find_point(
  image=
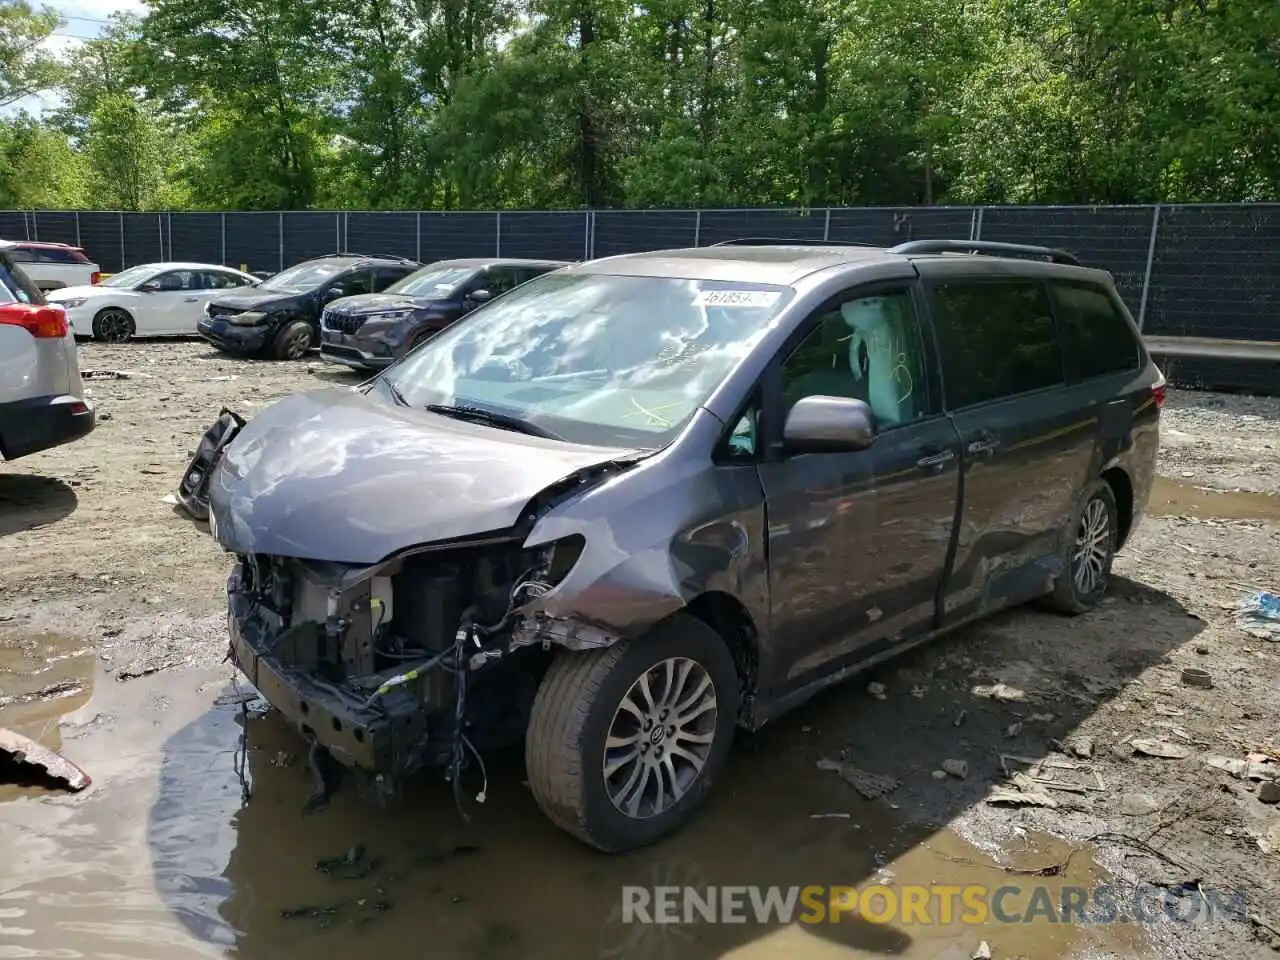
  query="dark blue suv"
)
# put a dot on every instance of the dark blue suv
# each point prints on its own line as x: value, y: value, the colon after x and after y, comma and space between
x: 373, y: 330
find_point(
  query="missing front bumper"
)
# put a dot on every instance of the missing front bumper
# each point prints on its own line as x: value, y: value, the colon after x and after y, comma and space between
x: 391, y: 738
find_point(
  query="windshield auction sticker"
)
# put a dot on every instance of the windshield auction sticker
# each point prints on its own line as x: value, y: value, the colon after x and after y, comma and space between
x: 737, y: 298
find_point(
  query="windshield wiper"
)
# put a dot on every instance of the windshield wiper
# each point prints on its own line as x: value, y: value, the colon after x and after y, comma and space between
x: 394, y: 391
x: 493, y: 418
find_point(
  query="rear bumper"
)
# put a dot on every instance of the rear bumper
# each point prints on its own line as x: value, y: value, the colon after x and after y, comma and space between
x: 38, y: 423
x: 234, y: 338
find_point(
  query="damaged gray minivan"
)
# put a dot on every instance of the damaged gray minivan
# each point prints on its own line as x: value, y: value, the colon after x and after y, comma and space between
x: 641, y: 501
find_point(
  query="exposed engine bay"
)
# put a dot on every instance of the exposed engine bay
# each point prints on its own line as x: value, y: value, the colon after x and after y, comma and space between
x: 426, y: 661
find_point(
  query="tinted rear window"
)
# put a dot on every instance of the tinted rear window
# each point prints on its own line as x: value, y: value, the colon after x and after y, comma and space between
x: 1096, y: 338
x: 997, y: 339
x: 49, y: 255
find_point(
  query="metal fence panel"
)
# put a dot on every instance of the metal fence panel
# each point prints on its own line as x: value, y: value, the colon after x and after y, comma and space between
x: 717, y: 226
x: 253, y: 241
x: 449, y: 235
x: 307, y: 235
x: 54, y: 226
x: 194, y: 237
x: 1112, y: 238
x: 142, y: 238
x: 100, y: 237
x: 13, y: 225
x: 1215, y: 269
x: 887, y: 226
x: 383, y: 233
x: 632, y: 231
x: 553, y: 235
x: 1216, y: 273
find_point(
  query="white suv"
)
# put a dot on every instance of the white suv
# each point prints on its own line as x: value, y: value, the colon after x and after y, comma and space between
x: 42, y: 400
x: 52, y: 266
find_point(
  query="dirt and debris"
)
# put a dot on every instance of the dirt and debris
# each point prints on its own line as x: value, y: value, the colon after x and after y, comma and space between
x: 870, y: 785
x: 94, y: 553
x: 23, y: 761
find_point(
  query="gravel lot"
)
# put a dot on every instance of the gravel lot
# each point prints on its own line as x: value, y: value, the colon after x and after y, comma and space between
x: 101, y: 579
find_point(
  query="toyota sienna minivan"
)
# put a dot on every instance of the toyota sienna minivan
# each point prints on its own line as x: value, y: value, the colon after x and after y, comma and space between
x: 644, y: 500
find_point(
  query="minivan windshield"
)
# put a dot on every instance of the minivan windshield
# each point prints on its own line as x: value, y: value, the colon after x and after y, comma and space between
x: 305, y: 276
x: 593, y: 358
x: 433, y: 283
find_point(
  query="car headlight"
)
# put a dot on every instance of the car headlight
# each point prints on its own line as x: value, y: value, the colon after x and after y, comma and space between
x: 392, y: 316
x: 72, y: 303
x: 248, y: 319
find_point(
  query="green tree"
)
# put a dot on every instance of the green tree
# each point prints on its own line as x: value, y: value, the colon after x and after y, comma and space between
x: 26, y: 67
x: 123, y: 148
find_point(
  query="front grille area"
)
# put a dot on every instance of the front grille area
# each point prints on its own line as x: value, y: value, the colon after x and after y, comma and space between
x: 339, y: 323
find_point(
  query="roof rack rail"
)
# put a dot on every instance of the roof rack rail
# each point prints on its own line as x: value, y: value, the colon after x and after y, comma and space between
x: 781, y: 242
x: 987, y: 247
x: 368, y: 256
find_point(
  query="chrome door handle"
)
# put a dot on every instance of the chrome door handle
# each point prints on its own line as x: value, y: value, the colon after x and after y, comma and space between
x: 936, y: 461
x: 190, y: 299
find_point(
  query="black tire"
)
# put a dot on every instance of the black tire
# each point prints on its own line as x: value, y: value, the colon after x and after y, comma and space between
x: 113, y: 325
x: 293, y: 342
x: 1072, y: 595
x: 575, y: 709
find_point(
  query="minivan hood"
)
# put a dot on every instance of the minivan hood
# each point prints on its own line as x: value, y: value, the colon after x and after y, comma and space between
x: 340, y: 476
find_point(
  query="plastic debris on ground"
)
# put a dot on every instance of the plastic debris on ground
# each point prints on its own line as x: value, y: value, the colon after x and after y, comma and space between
x: 1259, y: 616
x: 18, y: 752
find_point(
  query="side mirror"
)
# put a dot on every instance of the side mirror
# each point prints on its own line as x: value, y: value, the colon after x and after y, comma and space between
x: 334, y: 293
x: 479, y: 296
x: 151, y: 286
x: 828, y: 424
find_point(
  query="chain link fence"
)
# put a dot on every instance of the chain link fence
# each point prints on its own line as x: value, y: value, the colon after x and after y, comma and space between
x: 1208, y: 270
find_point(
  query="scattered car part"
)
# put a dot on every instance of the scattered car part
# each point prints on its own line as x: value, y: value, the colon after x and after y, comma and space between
x: 21, y: 751
x: 193, y: 489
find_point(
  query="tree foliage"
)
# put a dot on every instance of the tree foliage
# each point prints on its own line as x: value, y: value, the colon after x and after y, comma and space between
x: 449, y: 104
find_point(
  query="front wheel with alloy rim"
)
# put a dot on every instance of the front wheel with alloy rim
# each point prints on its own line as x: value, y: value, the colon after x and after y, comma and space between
x: 293, y: 342
x: 1090, y: 551
x: 112, y: 325
x: 624, y: 743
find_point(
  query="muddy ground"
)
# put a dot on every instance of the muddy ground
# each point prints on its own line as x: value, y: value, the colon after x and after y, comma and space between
x: 111, y: 641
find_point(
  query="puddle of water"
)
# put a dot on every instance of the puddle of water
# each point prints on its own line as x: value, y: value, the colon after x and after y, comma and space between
x: 43, y: 678
x: 1179, y: 498
x: 159, y: 858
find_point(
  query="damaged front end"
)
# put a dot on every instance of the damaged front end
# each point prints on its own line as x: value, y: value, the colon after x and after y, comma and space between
x: 414, y: 663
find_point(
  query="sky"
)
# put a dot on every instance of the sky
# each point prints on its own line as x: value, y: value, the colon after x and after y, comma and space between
x: 83, y: 20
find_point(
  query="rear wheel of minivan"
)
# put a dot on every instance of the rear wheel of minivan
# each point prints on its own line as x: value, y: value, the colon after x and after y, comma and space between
x: 1090, y: 552
x: 624, y: 743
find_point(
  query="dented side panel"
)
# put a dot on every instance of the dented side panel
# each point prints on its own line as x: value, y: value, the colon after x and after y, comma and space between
x: 666, y: 532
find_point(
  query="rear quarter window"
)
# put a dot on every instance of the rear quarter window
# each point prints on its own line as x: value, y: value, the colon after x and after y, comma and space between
x: 1096, y: 337
x: 997, y: 339
x: 16, y: 285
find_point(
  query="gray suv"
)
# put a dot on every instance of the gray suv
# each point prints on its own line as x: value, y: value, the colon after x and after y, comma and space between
x: 641, y: 501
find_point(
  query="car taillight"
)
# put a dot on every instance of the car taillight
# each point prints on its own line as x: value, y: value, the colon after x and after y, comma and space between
x: 1159, y: 389
x: 95, y: 278
x: 46, y: 322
